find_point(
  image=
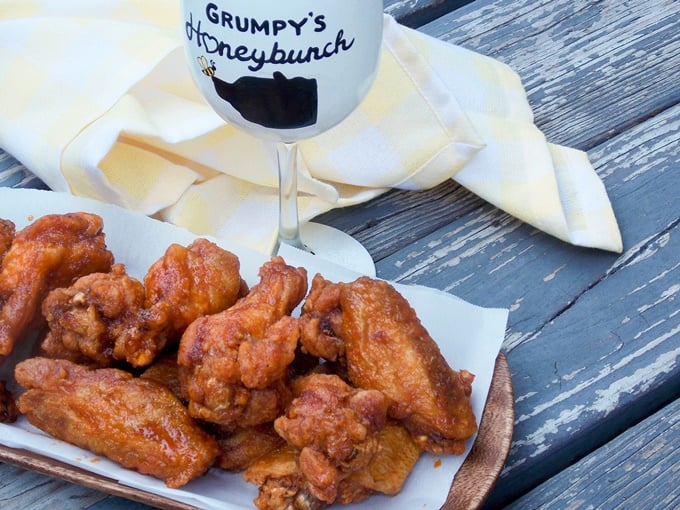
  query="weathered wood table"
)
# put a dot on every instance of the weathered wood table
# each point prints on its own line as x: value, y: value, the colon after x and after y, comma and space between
x: 593, y: 338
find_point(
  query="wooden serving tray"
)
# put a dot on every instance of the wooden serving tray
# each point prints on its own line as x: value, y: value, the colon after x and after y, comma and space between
x: 469, y: 489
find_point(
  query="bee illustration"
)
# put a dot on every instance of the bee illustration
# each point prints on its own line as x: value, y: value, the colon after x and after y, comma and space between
x: 207, y: 68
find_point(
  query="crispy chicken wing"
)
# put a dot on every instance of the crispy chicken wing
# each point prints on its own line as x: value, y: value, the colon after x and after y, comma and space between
x: 280, y: 482
x: 335, y: 428
x: 7, y: 233
x: 241, y: 448
x: 372, y: 328
x: 87, y: 319
x: 135, y: 422
x: 51, y: 252
x: 109, y: 317
x: 188, y: 282
x: 184, y: 284
x: 233, y: 364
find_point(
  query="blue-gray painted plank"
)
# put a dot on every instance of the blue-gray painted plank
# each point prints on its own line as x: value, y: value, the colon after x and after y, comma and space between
x: 15, y: 175
x: 415, y: 13
x: 638, y: 469
x: 592, y: 69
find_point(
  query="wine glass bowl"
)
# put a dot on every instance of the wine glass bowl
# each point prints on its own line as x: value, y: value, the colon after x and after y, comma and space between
x: 283, y: 70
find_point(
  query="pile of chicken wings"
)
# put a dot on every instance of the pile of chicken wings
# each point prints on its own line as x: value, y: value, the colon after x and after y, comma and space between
x: 190, y: 369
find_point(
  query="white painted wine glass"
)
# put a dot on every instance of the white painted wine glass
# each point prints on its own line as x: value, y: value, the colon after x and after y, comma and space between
x: 286, y: 70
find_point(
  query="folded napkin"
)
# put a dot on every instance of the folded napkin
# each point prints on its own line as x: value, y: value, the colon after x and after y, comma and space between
x: 97, y: 101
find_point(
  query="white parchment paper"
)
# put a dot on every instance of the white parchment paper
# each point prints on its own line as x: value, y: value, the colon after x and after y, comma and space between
x: 469, y: 337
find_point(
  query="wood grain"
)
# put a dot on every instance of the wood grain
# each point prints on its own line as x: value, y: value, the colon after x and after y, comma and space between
x: 639, y: 469
x: 592, y: 68
x: 414, y: 13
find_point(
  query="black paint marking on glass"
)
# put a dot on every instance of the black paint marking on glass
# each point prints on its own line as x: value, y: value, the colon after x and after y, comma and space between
x: 276, y: 103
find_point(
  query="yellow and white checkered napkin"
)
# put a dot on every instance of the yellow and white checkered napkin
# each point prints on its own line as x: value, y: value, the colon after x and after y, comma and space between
x: 97, y: 100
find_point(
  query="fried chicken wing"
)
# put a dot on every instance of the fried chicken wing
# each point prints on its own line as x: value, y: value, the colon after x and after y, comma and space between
x: 280, y: 482
x: 241, y: 448
x: 7, y: 233
x: 184, y: 284
x: 233, y: 364
x: 87, y: 319
x: 109, y: 317
x: 387, y: 470
x: 372, y: 328
x: 335, y: 428
x: 188, y: 282
x: 51, y: 252
x: 135, y: 422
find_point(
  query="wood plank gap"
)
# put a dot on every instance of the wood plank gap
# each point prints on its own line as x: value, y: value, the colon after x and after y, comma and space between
x: 414, y: 18
x: 621, y: 129
x: 628, y: 259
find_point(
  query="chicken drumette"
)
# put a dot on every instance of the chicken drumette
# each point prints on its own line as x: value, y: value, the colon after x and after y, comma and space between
x: 52, y: 252
x: 372, y: 330
x: 188, y: 282
x: 87, y: 319
x: 233, y: 365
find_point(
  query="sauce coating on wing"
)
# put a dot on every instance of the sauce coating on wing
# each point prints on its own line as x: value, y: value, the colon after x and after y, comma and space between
x: 372, y: 329
x: 233, y: 364
x: 136, y: 422
x: 51, y: 252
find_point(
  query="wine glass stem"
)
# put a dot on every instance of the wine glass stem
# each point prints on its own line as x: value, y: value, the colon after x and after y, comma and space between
x: 289, y: 226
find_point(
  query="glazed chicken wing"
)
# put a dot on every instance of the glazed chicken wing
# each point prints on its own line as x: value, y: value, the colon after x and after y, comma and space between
x: 109, y: 317
x: 280, y: 482
x: 188, y: 282
x: 184, y: 284
x: 233, y: 364
x: 335, y: 428
x: 87, y: 319
x: 135, y: 422
x: 51, y: 252
x: 373, y: 329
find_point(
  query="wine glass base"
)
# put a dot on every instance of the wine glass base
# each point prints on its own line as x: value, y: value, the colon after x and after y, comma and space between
x: 335, y: 246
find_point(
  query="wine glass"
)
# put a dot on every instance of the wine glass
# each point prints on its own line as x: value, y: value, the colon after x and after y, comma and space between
x: 286, y: 70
